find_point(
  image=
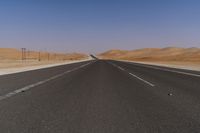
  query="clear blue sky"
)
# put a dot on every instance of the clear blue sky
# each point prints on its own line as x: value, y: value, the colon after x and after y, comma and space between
x: 96, y: 25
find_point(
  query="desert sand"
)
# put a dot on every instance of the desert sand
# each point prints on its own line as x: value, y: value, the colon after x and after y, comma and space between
x: 16, y: 54
x: 187, y: 58
x: 12, y: 58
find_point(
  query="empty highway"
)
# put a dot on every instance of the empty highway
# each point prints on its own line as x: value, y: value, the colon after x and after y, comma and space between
x: 101, y: 96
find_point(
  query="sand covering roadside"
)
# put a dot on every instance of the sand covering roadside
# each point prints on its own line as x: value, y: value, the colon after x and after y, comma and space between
x: 29, y: 66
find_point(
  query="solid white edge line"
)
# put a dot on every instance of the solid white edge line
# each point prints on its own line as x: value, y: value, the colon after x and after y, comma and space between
x: 32, y: 68
x: 185, y: 73
x: 164, y: 69
x: 10, y: 94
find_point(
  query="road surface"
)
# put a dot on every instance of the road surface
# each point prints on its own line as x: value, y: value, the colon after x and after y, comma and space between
x: 101, y: 96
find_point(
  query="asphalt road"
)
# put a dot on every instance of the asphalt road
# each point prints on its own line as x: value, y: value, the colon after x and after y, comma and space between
x: 101, y: 97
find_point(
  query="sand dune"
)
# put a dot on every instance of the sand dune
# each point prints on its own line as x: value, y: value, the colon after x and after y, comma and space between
x: 155, y: 54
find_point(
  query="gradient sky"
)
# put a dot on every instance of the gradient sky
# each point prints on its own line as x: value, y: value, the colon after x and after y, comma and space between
x: 97, y: 25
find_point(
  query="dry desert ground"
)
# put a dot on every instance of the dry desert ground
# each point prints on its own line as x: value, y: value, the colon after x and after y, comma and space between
x: 10, y: 57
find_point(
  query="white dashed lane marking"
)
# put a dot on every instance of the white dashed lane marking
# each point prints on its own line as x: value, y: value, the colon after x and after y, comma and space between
x: 142, y: 79
x: 135, y: 76
x: 10, y: 94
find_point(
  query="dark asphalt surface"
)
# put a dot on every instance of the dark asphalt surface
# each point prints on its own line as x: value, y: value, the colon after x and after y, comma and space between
x: 101, y: 98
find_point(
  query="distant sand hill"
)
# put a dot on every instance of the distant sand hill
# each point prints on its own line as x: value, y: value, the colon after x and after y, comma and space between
x: 15, y: 54
x: 155, y: 54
